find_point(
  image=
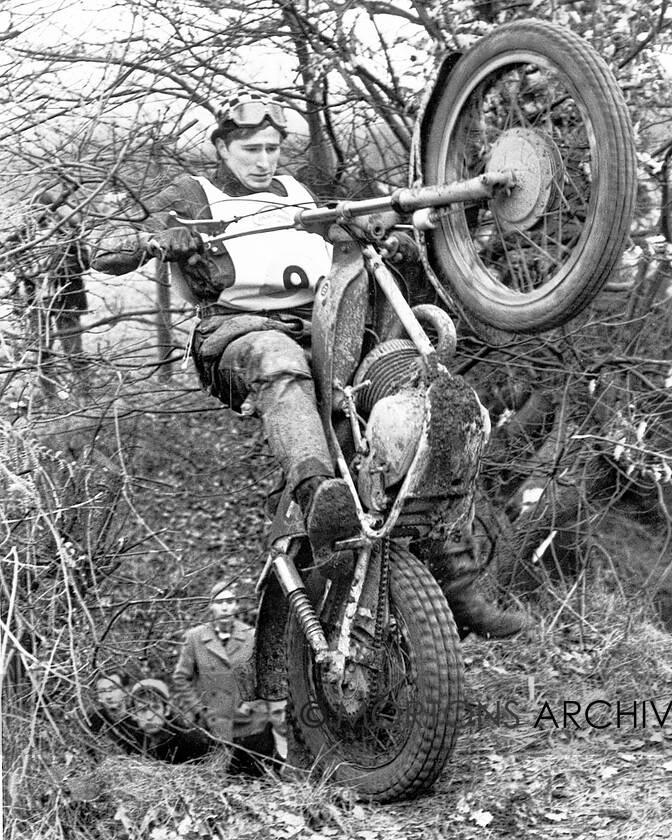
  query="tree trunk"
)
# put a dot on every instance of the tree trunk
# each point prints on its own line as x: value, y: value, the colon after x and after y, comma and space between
x: 163, y: 326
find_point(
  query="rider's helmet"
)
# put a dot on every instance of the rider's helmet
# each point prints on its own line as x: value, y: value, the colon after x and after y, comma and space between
x: 249, y: 109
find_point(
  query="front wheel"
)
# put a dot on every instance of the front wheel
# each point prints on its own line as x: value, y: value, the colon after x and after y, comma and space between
x: 391, y: 730
x: 533, y: 99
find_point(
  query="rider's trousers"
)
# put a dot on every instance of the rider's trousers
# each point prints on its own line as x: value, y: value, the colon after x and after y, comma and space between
x: 266, y: 373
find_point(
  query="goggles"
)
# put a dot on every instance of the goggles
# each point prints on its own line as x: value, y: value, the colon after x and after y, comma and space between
x: 253, y: 112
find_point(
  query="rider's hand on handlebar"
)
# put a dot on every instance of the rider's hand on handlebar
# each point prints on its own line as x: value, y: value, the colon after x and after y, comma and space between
x: 175, y: 243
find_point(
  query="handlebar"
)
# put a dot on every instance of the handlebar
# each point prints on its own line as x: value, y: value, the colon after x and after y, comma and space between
x: 402, y: 200
x: 407, y: 200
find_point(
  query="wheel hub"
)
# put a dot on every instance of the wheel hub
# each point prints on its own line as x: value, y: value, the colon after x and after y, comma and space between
x: 533, y: 158
x: 349, y: 699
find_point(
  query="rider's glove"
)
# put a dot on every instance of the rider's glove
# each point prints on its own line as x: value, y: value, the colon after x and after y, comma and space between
x: 196, y: 271
x: 173, y: 244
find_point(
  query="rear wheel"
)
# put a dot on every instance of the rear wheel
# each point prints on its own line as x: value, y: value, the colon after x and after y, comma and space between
x: 391, y: 729
x: 535, y: 99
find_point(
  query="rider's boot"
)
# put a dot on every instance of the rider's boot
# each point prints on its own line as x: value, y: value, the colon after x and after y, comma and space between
x: 475, y: 611
x: 469, y: 589
x: 328, y: 509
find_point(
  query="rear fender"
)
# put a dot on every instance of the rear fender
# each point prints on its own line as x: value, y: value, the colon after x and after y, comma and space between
x: 270, y: 642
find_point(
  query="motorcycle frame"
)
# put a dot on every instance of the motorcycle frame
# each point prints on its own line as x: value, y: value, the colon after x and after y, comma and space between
x: 427, y: 352
x: 280, y: 560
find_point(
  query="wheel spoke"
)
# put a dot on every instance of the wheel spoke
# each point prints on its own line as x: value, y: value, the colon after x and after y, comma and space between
x: 529, y: 98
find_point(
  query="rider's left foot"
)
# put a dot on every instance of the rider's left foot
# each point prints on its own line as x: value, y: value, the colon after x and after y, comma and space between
x: 474, y: 612
x: 328, y: 509
x: 470, y: 588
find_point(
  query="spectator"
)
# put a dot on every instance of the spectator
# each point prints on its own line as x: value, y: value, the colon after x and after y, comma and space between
x: 47, y: 261
x: 213, y: 683
x: 110, y: 714
x: 277, y: 715
x: 67, y: 263
x: 163, y: 733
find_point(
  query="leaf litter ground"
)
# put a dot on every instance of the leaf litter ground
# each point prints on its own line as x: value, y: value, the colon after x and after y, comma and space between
x: 527, y: 765
x: 522, y: 769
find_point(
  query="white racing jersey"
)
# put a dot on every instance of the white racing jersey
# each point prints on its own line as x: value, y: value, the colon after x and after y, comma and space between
x: 274, y: 269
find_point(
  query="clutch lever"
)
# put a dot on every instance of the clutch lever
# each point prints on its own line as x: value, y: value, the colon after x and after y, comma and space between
x: 211, y: 242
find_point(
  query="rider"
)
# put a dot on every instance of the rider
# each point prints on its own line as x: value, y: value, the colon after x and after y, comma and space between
x: 254, y: 295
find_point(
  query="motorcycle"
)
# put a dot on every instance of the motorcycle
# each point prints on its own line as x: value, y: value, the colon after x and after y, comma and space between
x: 523, y: 187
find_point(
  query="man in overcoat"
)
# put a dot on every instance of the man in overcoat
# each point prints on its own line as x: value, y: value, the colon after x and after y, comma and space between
x: 213, y: 677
